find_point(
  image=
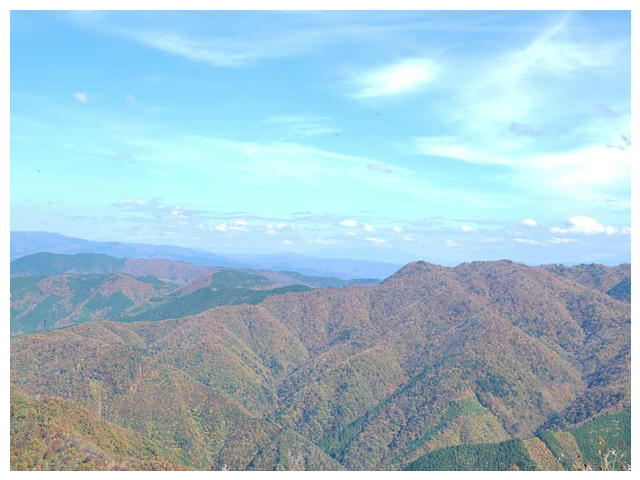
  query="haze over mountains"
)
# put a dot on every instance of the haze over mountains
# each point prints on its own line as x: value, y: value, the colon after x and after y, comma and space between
x: 485, y: 365
x: 26, y: 243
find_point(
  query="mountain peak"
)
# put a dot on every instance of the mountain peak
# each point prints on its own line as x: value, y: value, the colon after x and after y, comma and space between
x: 418, y: 266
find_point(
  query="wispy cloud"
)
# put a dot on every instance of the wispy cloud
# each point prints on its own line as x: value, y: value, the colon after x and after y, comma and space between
x: 545, y: 242
x: 288, y: 35
x: 498, y: 115
x: 82, y: 97
x: 274, y: 35
x: 304, y: 125
x: 401, y: 77
x: 574, y: 172
x: 324, y: 241
x: 378, y: 167
x: 530, y: 241
x: 131, y: 100
x: 376, y: 240
x: 269, y: 163
x: 518, y: 128
x: 557, y: 240
x: 156, y: 209
x: 219, y: 52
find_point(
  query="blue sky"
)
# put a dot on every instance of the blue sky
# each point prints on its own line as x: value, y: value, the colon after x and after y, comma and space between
x: 449, y: 136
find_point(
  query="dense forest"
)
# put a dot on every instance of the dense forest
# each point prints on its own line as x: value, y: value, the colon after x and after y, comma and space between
x: 488, y: 365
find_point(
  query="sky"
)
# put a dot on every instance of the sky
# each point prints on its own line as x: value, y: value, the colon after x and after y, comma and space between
x: 394, y: 136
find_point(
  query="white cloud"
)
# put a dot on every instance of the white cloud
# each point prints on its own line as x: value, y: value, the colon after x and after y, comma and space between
x: 177, y: 210
x: 529, y: 241
x: 563, y: 240
x: 234, y: 226
x: 544, y: 243
x: 275, y: 229
x: 585, y: 225
x: 588, y: 167
x: 376, y: 240
x: 401, y: 77
x: 287, y: 242
x: 368, y: 228
x: 492, y: 239
x: 451, y: 243
x: 467, y: 228
x: 349, y: 223
x: 324, y: 241
x: 408, y: 238
x: 529, y: 222
x: 135, y: 202
x: 397, y: 229
x: 82, y: 97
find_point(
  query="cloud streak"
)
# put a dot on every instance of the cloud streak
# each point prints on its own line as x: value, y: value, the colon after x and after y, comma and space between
x: 82, y: 97
x: 303, y: 125
x: 398, y: 78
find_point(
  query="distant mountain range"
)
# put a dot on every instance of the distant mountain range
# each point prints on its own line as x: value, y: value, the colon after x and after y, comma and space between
x: 488, y: 365
x: 26, y: 243
x: 50, y: 290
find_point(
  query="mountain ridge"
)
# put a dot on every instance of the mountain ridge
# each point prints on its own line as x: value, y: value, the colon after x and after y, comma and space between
x: 375, y: 376
x: 24, y: 243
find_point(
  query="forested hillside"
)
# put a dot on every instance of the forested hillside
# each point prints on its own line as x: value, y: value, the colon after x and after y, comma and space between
x: 53, y: 290
x: 456, y: 368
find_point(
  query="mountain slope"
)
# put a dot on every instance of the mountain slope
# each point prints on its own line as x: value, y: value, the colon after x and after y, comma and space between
x: 578, y: 449
x: 377, y: 377
x: 46, y: 263
x: 124, y: 380
x: 40, y: 302
x: 43, y: 303
x: 601, y: 277
x: 53, y: 434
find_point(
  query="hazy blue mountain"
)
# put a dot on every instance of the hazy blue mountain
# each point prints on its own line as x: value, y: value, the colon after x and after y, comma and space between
x: 294, y: 278
x: 343, y: 268
x: 26, y: 243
